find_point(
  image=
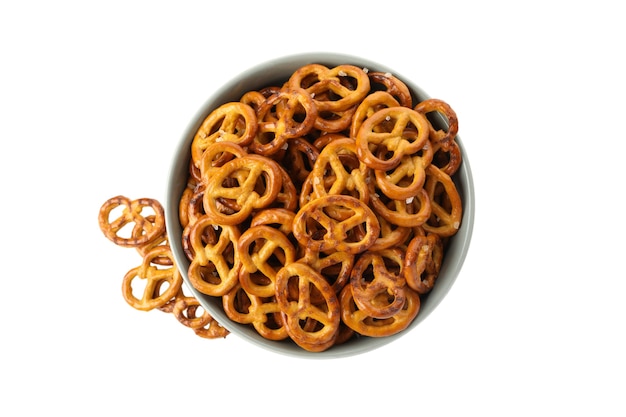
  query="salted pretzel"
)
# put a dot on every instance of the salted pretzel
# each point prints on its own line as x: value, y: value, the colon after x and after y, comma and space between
x: 410, y: 212
x: 300, y: 159
x: 445, y: 202
x: 391, y: 235
x: 423, y: 262
x: 366, y: 325
x: 333, y: 89
x: 161, y: 283
x: 317, y: 230
x: 263, y: 249
x: 290, y: 104
x: 408, y: 134
x: 335, y: 267
x: 440, y: 107
x: 296, y: 310
x: 370, y: 105
x: 245, y: 308
x: 215, y: 267
x: 384, y: 81
x: 378, y: 286
x: 246, y: 174
x: 231, y: 122
x: 143, y: 228
x: 216, y: 155
x: 186, y: 310
x: 407, y: 178
x: 337, y: 170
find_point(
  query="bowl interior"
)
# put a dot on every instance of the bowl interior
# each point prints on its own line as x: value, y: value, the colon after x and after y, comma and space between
x: 275, y: 72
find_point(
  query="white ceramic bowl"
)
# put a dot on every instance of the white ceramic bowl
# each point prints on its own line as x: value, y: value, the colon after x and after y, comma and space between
x: 275, y: 72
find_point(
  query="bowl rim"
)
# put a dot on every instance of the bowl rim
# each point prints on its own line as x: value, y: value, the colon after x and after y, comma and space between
x: 233, y: 89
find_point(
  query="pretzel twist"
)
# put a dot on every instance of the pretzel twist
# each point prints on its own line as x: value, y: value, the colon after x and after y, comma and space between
x: 214, y: 269
x: 408, y: 133
x: 256, y: 182
x: 366, y: 325
x: 231, y: 122
x: 318, y: 230
x: 245, y: 308
x: 143, y: 228
x: 154, y: 278
x: 323, y: 319
x: 381, y: 295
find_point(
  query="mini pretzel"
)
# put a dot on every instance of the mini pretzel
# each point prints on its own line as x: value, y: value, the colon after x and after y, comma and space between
x: 216, y: 155
x: 144, y: 229
x: 397, y: 141
x: 391, y: 235
x: 408, y: 177
x: 444, y: 138
x: 373, y: 276
x: 329, y: 87
x: 245, y: 308
x: 345, y: 179
x: 411, y: 212
x: 273, y: 133
x: 155, y: 276
x: 214, y: 269
x: 423, y: 262
x: 447, y: 207
x: 318, y: 230
x: 265, y: 249
x: 186, y: 312
x: 365, y: 325
x: 387, y: 82
x: 299, y: 309
x: 233, y: 122
x: 256, y: 181
x: 370, y: 105
x: 334, y: 267
x: 447, y: 159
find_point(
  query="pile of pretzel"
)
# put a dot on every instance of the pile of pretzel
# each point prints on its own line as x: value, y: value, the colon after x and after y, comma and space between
x: 155, y: 284
x: 320, y: 209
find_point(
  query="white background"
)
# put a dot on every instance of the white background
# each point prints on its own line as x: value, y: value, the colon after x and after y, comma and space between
x: 93, y: 100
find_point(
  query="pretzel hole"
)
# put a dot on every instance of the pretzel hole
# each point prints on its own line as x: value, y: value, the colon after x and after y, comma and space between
x: 209, y: 274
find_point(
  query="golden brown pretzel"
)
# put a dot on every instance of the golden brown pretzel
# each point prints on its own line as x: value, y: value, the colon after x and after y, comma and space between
x: 298, y: 309
x: 442, y: 137
x: 411, y: 212
x: 375, y: 274
x: 334, y: 267
x: 263, y: 249
x: 333, y: 89
x: 143, y: 228
x: 423, y: 262
x: 337, y: 171
x: 233, y: 122
x: 408, y: 177
x: 255, y: 180
x: 391, y: 84
x: 288, y: 122
x: 186, y: 310
x: 154, y: 294
x: 445, y: 202
x: 216, y: 155
x: 365, y: 325
x: 408, y: 133
x: 370, y: 105
x: 214, y: 269
x: 299, y: 159
x: 318, y: 230
x: 245, y: 308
